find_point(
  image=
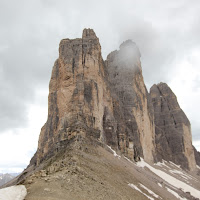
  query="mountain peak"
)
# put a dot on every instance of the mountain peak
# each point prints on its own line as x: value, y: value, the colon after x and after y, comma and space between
x: 130, y: 49
x: 127, y: 43
x: 88, y: 33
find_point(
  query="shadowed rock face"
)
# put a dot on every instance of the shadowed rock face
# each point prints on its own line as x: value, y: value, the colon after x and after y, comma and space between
x: 108, y: 102
x: 125, y: 76
x: 173, y: 132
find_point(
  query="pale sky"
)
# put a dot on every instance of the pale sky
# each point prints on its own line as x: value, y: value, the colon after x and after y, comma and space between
x: 166, y: 32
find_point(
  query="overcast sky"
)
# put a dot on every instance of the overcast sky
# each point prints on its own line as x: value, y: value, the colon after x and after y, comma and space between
x: 166, y: 32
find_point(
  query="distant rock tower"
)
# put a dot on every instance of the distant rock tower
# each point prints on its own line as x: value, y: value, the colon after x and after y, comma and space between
x: 173, y: 131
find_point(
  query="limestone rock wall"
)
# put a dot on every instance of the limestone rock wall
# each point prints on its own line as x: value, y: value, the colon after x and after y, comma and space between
x: 173, y: 131
x: 125, y: 76
x: 77, y: 94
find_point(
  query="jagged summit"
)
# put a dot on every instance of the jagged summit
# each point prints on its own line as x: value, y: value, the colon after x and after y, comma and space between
x: 127, y: 58
x: 127, y: 43
x: 89, y: 33
x: 130, y: 46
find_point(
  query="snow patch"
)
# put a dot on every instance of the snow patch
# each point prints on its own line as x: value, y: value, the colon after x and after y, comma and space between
x: 159, y: 184
x: 171, y: 180
x: 136, y: 188
x: 150, y: 192
x: 114, y: 152
x: 175, y: 194
x: 129, y: 160
x: 161, y: 164
x: 178, y: 172
x: 197, y: 166
x: 17, y: 192
x: 178, y: 166
x: 183, y: 175
x: 142, y: 163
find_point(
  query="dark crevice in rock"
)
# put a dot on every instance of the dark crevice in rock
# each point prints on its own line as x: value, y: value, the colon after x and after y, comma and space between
x: 73, y: 65
x: 88, y: 92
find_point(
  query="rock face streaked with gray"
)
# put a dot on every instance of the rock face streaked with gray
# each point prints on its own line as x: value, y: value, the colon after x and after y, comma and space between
x: 172, y: 128
x: 107, y: 101
x: 135, y: 116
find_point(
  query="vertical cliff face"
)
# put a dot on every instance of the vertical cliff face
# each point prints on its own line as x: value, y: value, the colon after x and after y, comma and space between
x: 125, y: 76
x: 77, y: 94
x: 173, y: 131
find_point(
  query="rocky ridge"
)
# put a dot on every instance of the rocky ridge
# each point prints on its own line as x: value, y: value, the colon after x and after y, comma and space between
x: 95, y: 106
x: 87, y: 169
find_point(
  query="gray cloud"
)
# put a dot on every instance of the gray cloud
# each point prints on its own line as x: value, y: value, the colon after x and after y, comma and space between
x: 195, y: 134
x: 196, y: 84
x: 24, y: 68
x: 164, y: 33
x: 31, y: 30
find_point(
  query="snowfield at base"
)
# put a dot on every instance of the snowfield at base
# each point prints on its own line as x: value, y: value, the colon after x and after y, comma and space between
x: 114, y: 152
x: 161, y: 164
x: 178, y: 166
x: 129, y: 160
x: 136, y: 188
x: 175, y: 194
x: 150, y: 191
x: 171, y: 180
x: 183, y: 175
x: 17, y: 192
x: 159, y: 185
